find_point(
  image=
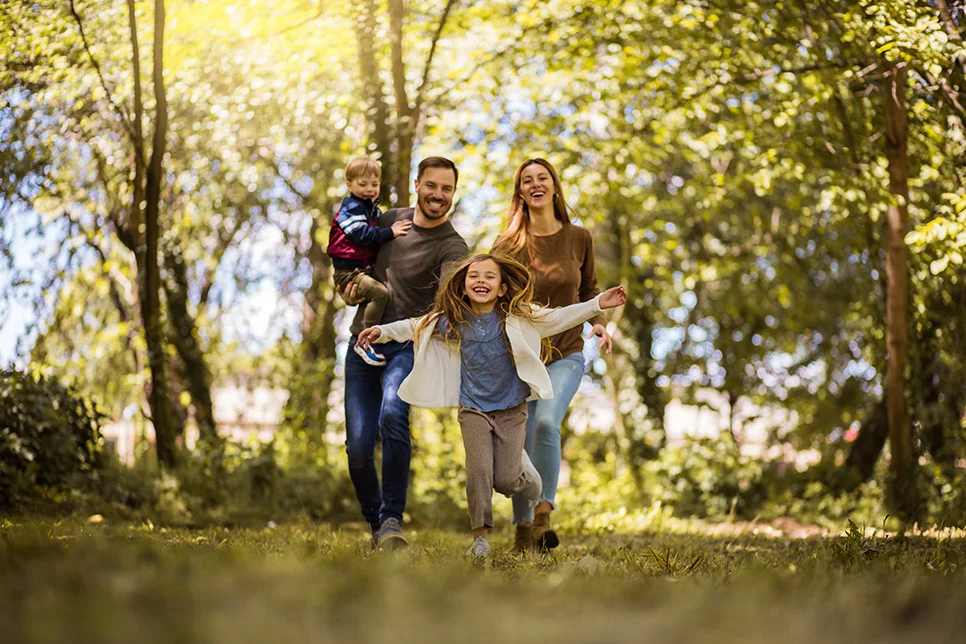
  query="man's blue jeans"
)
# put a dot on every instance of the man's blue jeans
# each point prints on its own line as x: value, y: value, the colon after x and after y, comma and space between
x: 543, y: 431
x: 373, y: 410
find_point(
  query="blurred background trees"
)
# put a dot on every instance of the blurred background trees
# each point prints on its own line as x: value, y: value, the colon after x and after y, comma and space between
x: 780, y: 185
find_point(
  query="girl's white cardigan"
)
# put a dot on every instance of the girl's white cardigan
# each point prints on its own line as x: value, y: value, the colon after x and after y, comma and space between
x: 435, y: 378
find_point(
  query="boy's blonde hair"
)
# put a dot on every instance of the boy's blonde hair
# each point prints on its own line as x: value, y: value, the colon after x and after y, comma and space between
x: 362, y: 167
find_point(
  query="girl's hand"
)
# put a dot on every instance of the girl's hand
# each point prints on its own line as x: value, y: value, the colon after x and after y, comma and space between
x: 613, y: 297
x: 367, y: 336
x: 606, y: 343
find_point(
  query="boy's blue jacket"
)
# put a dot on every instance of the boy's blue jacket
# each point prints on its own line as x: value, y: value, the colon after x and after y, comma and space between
x: 355, y: 234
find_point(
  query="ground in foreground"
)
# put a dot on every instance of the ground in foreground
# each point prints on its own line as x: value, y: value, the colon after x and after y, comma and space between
x: 76, y: 581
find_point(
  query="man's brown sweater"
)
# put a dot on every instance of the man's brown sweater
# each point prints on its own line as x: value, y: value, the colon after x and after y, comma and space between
x: 411, y: 266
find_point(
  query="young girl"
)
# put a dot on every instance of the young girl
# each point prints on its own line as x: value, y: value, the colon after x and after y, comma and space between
x: 485, y: 307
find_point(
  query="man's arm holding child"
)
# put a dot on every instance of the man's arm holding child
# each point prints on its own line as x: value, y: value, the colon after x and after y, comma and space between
x: 453, y: 251
x: 388, y: 219
x: 401, y: 330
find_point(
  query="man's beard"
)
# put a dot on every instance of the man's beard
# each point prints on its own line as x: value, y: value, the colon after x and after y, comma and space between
x: 423, y: 208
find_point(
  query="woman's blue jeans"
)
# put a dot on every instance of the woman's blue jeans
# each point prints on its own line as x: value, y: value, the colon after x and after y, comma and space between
x: 543, y: 431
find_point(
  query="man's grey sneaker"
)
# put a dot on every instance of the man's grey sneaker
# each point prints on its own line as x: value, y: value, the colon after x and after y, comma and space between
x: 390, y: 536
x: 534, y: 484
x: 374, y: 537
x: 369, y: 356
x: 480, y: 548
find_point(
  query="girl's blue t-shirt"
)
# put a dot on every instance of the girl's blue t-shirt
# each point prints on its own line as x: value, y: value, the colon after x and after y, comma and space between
x: 488, y: 377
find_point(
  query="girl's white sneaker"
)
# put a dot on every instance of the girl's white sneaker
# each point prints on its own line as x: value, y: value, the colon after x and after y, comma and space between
x: 480, y: 548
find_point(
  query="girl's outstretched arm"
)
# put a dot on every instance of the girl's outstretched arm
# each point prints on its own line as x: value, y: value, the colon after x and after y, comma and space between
x: 613, y: 297
x: 553, y: 321
x: 401, y: 331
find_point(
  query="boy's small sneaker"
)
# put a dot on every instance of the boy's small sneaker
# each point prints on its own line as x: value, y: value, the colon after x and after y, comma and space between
x: 369, y: 356
x: 390, y: 536
x: 480, y: 548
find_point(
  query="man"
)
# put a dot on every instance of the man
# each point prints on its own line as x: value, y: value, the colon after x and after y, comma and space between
x: 411, y: 267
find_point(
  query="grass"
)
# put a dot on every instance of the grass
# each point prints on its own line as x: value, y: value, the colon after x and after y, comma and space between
x: 70, y: 580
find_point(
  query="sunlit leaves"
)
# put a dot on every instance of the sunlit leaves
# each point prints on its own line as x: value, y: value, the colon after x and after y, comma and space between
x: 728, y: 157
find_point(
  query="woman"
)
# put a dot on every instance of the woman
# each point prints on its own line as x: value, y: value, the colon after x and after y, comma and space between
x: 561, y: 258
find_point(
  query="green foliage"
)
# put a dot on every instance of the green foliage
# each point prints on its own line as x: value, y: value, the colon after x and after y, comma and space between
x: 814, y: 501
x: 602, y: 490
x: 727, y: 156
x: 258, y: 483
x: 240, y: 485
x: 855, y: 548
x: 437, y: 493
x: 705, y: 478
x: 49, y: 440
x: 943, y: 491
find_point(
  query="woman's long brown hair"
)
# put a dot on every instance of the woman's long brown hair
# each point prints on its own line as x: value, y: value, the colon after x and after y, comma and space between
x: 516, y: 237
x: 453, y: 304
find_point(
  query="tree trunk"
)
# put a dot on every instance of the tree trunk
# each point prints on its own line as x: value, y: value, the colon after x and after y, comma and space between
x: 409, y: 114
x: 377, y: 110
x: 732, y: 428
x: 868, y: 445
x: 159, y: 397
x: 133, y: 232
x: 405, y: 115
x: 176, y: 379
x: 641, y: 325
x: 196, y: 372
x: 308, y: 404
x: 897, y: 272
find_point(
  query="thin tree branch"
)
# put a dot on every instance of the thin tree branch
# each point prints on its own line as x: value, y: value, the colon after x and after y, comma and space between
x: 497, y: 55
x: 302, y: 23
x: 225, y: 239
x: 284, y: 30
x: 951, y: 94
x: 138, y: 135
x: 761, y: 74
x: 403, y: 109
x: 306, y: 199
x: 423, y: 83
x: 837, y: 98
x: 97, y: 68
x: 850, y: 140
x: 123, y: 232
x: 948, y: 21
x: 123, y: 308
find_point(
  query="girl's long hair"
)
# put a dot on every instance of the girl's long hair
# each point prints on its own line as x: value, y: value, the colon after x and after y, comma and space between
x: 516, y: 237
x: 453, y: 304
